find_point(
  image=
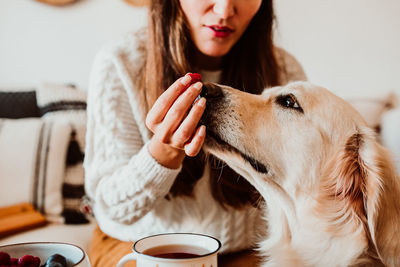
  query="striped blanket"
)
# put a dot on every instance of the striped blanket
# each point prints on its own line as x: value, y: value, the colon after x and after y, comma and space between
x: 41, y: 159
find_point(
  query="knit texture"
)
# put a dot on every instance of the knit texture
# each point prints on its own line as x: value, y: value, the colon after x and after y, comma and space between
x: 127, y: 185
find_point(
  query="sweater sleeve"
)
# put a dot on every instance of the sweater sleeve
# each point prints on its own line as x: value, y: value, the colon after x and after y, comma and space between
x: 122, y: 178
x: 291, y: 70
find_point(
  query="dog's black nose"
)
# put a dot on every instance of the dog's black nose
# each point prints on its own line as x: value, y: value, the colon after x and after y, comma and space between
x: 211, y: 90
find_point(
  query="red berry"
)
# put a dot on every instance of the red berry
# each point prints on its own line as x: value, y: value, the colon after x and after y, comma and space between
x: 4, y: 258
x: 26, y: 261
x: 36, y: 261
x: 14, y: 261
x: 196, y: 77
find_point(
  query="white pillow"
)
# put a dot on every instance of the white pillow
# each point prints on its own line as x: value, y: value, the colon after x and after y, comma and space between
x: 372, y: 108
x: 32, y: 163
x: 63, y: 102
x: 390, y: 134
x: 60, y: 102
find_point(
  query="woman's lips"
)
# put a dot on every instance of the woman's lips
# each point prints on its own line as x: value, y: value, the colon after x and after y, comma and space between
x: 220, y: 31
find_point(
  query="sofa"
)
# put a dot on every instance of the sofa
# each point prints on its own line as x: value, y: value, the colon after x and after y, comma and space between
x: 42, y: 140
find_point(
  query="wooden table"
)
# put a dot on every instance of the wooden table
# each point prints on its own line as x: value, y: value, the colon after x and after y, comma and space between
x: 106, y: 251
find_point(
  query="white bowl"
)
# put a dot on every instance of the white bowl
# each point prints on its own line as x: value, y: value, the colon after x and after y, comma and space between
x: 75, y: 255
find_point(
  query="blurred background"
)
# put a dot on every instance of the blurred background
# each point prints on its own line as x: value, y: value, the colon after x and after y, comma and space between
x: 350, y: 47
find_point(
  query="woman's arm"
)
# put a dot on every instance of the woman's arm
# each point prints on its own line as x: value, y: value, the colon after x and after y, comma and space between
x: 122, y: 178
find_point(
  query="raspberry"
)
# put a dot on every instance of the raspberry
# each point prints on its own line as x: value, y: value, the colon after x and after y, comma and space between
x: 28, y: 261
x: 195, y: 77
x: 14, y: 261
x: 4, y: 258
x: 36, y: 261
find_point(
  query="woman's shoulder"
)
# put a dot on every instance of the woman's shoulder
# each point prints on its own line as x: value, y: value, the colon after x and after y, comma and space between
x: 290, y: 67
x: 128, y: 47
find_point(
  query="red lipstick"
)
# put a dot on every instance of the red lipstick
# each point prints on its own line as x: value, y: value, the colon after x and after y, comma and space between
x: 220, y: 31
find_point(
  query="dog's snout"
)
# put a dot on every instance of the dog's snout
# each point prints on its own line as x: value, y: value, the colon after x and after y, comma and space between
x: 215, y: 99
x: 211, y: 90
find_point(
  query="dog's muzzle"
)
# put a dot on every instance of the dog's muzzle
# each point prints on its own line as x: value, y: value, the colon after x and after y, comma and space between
x: 217, y: 113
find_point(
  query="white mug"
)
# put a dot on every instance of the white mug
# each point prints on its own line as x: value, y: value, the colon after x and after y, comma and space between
x: 164, y: 250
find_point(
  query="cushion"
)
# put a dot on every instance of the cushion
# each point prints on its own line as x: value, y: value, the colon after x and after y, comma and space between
x: 18, y: 104
x: 32, y: 163
x: 66, y: 103
x: 60, y: 102
x: 372, y: 108
x: 390, y: 134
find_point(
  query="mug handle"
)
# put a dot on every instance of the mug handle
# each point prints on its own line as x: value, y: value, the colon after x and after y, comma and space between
x: 128, y: 257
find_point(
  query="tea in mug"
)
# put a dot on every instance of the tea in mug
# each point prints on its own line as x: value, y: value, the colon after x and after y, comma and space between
x: 176, y: 251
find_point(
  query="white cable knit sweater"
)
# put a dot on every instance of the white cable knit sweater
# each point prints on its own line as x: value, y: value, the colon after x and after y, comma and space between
x: 127, y: 185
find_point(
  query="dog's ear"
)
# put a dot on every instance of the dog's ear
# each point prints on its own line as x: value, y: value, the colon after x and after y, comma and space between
x: 363, y: 178
x: 382, y: 203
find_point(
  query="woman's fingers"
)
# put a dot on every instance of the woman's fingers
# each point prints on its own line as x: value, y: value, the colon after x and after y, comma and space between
x: 188, y: 126
x: 173, y: 118
x: 179, y: 109
x: 165, y: 101
x: 193, y: 147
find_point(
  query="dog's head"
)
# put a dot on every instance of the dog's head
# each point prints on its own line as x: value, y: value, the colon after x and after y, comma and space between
x: 302, y: 139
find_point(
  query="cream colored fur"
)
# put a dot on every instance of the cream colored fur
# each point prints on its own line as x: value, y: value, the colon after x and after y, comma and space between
x: 331, y: 191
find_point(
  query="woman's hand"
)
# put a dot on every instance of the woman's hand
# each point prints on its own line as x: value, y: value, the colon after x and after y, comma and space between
x: 174, y: 120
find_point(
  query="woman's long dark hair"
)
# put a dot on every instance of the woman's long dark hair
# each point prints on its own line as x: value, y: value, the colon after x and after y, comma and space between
x: 250, y: 66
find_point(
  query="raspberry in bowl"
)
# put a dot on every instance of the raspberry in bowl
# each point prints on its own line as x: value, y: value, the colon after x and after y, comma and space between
x: 28, y: 254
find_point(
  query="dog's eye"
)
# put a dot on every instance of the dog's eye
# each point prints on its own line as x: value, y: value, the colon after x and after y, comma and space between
x: 289, y: 101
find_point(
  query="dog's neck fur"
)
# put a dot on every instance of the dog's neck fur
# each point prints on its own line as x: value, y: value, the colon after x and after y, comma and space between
x: 293, y: 218
x: 291, y: 215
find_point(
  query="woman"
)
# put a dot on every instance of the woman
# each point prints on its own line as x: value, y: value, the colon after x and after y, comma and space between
x: 145, y: 171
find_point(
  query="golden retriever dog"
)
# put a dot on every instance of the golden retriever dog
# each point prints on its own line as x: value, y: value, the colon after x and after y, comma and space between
x: 331, y: 191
